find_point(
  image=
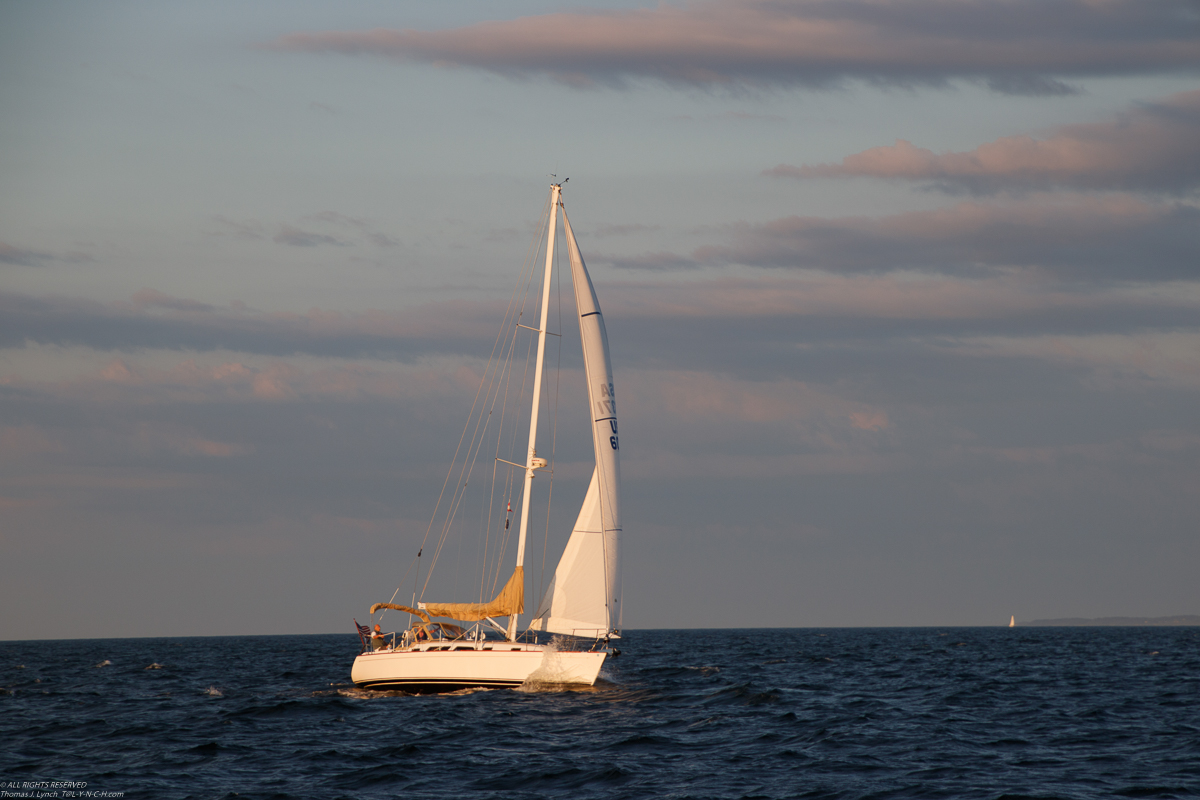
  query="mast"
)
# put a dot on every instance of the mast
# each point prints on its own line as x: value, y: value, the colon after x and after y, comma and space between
x: 532, y: 461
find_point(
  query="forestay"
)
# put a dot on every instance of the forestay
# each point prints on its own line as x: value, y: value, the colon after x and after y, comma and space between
x: 584, y: 597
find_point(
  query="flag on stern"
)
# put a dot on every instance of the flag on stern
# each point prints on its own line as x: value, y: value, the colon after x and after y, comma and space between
x: 364, y: 632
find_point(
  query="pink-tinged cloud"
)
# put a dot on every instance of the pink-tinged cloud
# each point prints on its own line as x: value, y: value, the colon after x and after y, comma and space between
x: 274, y: 382
x: 204, y: 447
x: 157, y: 437
x: 770, y: 466
x: 18, y: 441
x: 1014, y: 46
x: 703, y: 396
x: 122, y: 382
x: 869, y: 420
x: 117, y: 371
x: 694, y: 397
x: 188, y: 381
x: 795, y: 426
x: 1155, y: 147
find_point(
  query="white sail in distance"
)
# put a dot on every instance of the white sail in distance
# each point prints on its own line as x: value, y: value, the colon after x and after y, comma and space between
x: 584, y: 597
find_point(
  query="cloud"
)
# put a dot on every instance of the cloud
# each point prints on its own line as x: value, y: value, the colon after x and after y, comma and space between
x: 655, y: 262
x: 157, y: 320
x: 857, y: 305
x: 1029, y: 85
x: 148, y: 298
x: 751, y: 323
x: 127, y: 381
x: 869, y: 420
x: 891, y: 328
x: 344, y: 225
x: 10, y: 254
x: 149, y: 437
x: 382, y: 240
x: 1012, y: 46
x: 1169, y: 358
x: 623, y: 230
x: 1154, y: 147
x: 745, y: 115
x: 695, y: 397
x: 196, y: 461
x: 336, y: 218
x: 1116, y: 237
x: 738, y: 116
x: 299, y: 238
x: 22, y: 441
x: 249, y: 230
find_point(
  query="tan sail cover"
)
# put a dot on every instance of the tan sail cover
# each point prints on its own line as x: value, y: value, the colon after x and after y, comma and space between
x: 511, y: 600
x: 424, y: 617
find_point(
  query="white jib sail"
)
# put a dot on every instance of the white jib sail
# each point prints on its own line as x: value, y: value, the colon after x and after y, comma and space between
x: 584, y: 597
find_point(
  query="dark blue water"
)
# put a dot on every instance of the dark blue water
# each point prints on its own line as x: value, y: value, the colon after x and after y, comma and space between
x: 834, y: 713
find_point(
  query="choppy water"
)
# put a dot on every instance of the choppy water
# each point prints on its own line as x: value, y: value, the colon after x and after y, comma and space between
x: 834, y: 713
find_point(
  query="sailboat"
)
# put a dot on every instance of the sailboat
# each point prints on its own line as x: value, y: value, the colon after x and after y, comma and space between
x: 1012, y: 621
x: 568, y: 637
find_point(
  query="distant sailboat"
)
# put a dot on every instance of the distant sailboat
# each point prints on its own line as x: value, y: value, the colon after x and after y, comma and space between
x: 1012, y: 622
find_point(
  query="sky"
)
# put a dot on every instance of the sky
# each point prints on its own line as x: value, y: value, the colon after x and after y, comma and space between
x: 903, y: 300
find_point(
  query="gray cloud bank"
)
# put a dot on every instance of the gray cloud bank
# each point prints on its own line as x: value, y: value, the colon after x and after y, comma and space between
x: 744, y: 400
x: 1154, y: 147
x: 1013, y: 46
x: 156, y: 320
x: 301, y: 238
x: 19, y: 256
x: 953, y: 403
x: 1076, y: 236
x: 749, y: 326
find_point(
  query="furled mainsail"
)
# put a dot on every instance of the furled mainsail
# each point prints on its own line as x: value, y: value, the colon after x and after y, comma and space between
x: 395, y: 607
x: 510, y: 600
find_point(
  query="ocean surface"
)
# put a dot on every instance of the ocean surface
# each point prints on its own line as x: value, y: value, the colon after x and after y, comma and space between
x: 804, y: 713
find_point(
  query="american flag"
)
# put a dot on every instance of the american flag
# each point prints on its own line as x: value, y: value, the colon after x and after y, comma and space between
x: 364, y: 632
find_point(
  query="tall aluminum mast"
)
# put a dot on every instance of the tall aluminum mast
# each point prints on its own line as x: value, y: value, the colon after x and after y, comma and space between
x: 532, y: 462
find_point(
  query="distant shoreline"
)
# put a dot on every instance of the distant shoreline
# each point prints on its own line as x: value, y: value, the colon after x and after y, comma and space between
x: 1179, y: 619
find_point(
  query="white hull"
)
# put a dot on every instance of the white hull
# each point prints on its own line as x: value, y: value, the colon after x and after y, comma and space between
x: 461, y: 666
